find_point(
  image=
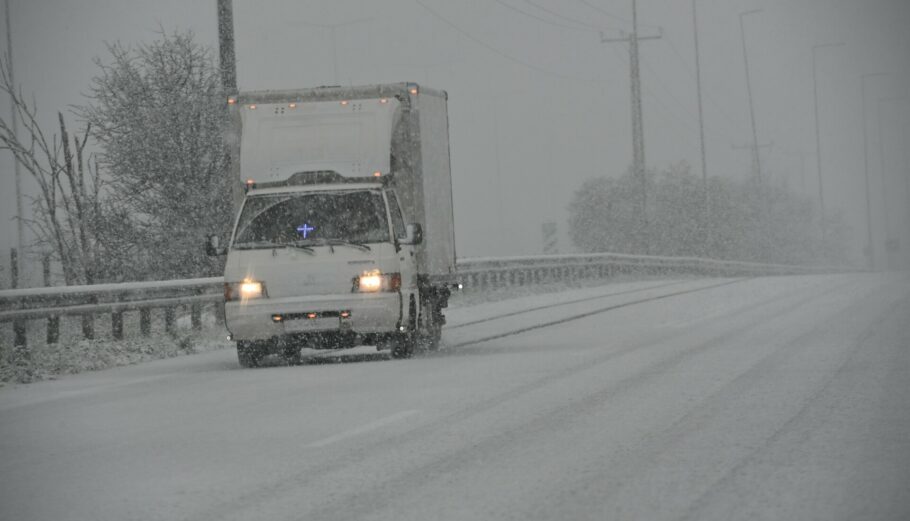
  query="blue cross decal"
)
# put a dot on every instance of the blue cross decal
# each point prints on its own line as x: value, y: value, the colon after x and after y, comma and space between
x: 305, y: 229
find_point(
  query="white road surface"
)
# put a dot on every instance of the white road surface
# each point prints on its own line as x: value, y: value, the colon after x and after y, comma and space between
x: 781, y: 398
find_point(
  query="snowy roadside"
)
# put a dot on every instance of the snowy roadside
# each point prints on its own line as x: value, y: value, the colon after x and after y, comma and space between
x: 75, y: 354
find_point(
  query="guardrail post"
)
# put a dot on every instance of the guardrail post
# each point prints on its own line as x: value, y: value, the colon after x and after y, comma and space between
x: 53, y: 323
x: 117, y: 322
x: 196, y: 314
x: 170, y: 315
x: 88, y: 325
x: 219, y: 312
x: 117, y: 325
x: 145, y: 321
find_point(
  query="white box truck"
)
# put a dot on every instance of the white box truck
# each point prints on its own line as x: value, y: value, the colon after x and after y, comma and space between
x: 344, y: 235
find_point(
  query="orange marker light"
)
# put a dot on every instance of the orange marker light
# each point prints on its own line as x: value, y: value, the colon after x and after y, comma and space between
x: 232, y: 100
x: 344, y: 102
x: 345, y: 314
x: 377, y: 173
x: 311, y: 315
x: 292, y: 105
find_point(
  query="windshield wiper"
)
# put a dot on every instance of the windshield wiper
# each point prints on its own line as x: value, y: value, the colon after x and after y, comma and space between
x: 341, y: 242
x: 272, y: 245
x: 303, y: 247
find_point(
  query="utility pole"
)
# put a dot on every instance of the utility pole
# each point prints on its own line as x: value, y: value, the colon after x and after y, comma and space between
x: 870, y: 246
x: 756, y: 159
x: 638, y: 134
x: 227, y: 56
x: 228, y: 65
x: 14, y: 120
x: 818, y: 139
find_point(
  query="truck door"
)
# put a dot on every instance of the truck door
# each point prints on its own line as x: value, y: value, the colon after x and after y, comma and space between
x: 407, y: 253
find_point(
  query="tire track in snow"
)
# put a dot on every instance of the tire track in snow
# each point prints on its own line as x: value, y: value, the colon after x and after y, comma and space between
x: 566, y: 303
x: 586, y: 314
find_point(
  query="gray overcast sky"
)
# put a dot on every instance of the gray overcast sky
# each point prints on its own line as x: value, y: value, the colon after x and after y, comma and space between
x: 532, y: 78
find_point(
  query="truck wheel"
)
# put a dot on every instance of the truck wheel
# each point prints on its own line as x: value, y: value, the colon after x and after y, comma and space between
x: 404, y: 343
x: 403, y: 346
x: 430, y: 329
x: 429, y: 340
x: 250, y: 354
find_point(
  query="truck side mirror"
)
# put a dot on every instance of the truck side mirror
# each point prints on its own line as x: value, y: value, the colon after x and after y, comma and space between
x: 413, y: 234
x: 213, y: 246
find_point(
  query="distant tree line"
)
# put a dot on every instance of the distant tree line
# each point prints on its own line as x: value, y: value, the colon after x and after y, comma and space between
x: 133, y: 192
x: 728, y: 219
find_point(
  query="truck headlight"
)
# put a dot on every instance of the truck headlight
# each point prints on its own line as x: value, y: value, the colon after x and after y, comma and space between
x: 248, y: 289
x: 375, y: 281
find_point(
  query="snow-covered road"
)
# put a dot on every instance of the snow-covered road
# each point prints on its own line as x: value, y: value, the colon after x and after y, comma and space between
x: 772, y: 398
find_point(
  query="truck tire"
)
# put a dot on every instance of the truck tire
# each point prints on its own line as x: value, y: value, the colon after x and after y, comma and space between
x: 403, y: 346
x: 250, y: 354
x: 404, y: 343
x: 429, y: 330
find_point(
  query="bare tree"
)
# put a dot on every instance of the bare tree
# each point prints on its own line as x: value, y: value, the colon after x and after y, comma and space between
x: 67, y: 209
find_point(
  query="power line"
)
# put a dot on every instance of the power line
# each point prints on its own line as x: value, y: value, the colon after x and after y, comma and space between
x: 545, y: 20
x: 608, y: 14
x: 568, y: 19
x: 674, y: 47
x: 689, y: 113
x: 679, y: 122
x: 502, y: 54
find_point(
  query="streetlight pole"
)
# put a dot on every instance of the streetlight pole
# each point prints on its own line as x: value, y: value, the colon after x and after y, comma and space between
x: 701, y: 116
x: 881, y: 143
x: 870, y: 246
x: 818, y: 138
x: 881, y: 158
x: 756, y: 160
x: 706, y: 197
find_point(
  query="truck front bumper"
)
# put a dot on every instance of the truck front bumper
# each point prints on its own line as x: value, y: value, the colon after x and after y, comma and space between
x: 262, y: 319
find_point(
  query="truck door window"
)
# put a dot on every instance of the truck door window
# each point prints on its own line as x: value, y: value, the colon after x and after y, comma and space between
x: 395, y: 212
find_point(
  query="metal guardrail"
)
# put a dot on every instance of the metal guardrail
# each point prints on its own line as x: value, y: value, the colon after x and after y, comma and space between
x: 51, y: 303
x: 505, y: 271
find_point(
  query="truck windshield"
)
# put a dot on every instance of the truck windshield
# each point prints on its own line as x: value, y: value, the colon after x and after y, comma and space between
x: 312, y: 219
